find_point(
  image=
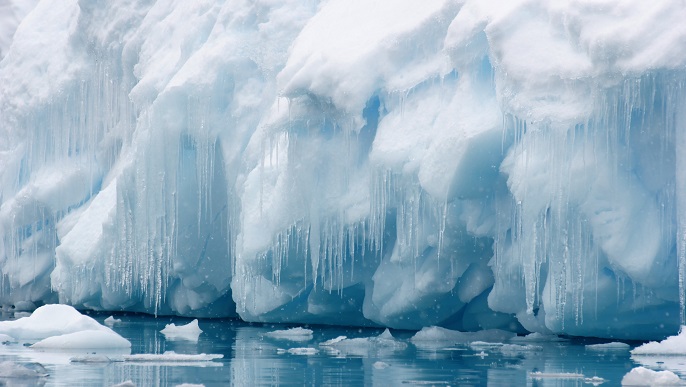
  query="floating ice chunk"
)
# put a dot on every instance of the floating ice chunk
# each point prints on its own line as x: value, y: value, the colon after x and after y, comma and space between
x: 10, y: 369
x: 386, y: 334
x: 365, y: 346
x: 303, y: 351
x: 110, y: 321
x: 379, y: 365
x: 641, y: 376
x: 515, y: 349
x: 595, y: 380
x: 97, y: 359
x: 484, y: 345
x: 673, y: 345
x: 92, y: 339
x: 555, y: 375
x: 5, y: 338
x: 171, y: 356
x: 446, y: 336
x: 293, y: 334
x: 333, y: 341
x: 128, y: 383
x: 190, y: 331
x: 614, y: 346
x: 537, y: 337
x: 62, y: 326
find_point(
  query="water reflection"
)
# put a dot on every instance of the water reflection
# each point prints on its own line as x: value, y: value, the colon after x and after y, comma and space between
x: 251, y: 358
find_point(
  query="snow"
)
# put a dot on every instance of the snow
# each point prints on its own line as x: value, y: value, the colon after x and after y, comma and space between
x: 292, y: 334
x: 190, y: 331
x: 477, y: 165
x: 63, y: 327
x: 673, y: 345
x: 641, y: 376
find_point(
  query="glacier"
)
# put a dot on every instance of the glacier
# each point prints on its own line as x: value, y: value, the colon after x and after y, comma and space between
x: 468, y: 164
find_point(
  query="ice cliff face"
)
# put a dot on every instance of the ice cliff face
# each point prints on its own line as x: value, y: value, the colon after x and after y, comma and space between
x: 471, y: 164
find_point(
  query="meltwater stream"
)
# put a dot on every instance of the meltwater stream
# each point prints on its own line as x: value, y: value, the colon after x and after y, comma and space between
x: 251, y: 356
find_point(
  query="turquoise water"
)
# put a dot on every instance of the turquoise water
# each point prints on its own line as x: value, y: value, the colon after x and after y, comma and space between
x: 250, y: 358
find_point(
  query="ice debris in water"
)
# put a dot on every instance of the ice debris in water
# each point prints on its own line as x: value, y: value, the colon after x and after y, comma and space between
x: 333, y: 341
x: 384, y: 343
x: 86, y: 339
x: 10, y: 369
x: 555, y: 375
x: 306, y: 351
x: 537, y: 337
x: 293, y: 334
x: 438, y: 336
x: 673, y: 345
x: 379, y: 365
x: 110, y: 321
x: 190, y: 331
x: 62, y: 326
x: 171, y: 356
x: 641, y: 376
x: 614, y: 346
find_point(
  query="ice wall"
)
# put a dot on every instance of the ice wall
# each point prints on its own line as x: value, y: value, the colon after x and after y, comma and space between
x: 471, y: 164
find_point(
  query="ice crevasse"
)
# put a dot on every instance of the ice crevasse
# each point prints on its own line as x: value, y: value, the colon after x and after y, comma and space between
x: 462, y: 163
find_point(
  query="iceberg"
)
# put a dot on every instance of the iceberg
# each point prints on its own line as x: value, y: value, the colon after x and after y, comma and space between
x: 189, y: 332
x: 474, y: 165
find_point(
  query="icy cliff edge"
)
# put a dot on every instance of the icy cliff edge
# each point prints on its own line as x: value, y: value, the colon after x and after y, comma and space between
x: 469, y: 164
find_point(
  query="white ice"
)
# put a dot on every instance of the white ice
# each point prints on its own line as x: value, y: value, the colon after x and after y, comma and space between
x: 614, y: 346
x: 171, y: 356
x: 292, y: 334
x: 475, y: 165
x: 111, y: 321
x: 62, y: 326
x: 31, y: 371
x: 641, y: 376
x: 673, y: 345
x: 189, y: 332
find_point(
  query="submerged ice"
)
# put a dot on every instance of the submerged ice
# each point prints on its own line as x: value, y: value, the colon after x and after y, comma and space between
x: 473, y: 165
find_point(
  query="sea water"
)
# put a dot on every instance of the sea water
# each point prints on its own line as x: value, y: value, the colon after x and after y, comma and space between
x: 253, y: 357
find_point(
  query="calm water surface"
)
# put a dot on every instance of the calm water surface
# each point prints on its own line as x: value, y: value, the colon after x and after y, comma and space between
x: 250, y: 358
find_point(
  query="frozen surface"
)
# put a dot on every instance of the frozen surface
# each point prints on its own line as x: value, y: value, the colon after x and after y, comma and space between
x: 190, y: 331
x: 475, y: 165
x: 641, y: 376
